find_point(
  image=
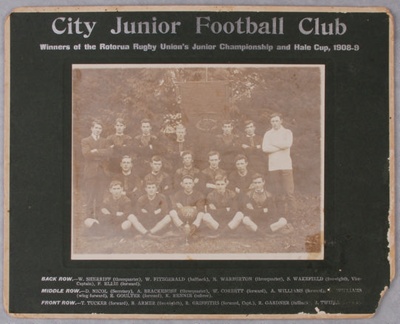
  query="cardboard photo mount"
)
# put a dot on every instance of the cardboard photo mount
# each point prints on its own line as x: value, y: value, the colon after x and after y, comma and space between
x: 42, y: 217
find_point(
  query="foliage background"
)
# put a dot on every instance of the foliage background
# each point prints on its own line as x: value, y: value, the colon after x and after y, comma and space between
x: 136, y: 92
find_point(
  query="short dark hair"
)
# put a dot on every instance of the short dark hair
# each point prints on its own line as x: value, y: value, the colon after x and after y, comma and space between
x: 227, y: 121
x: 276, y: 115
x: 248, y: 122
x: 120, y: 120
x: 211, y: 153
x: 115, y: 183
x: 257, y: 176
x: 145, y: 120
x: 156, y: 158
x: 240, y: 157
x: 187, y: 176
x: 187, y: 152
x: 96, y: 121
x: 180, y: 126
x: 127, y: 157
x: 150, y: 182
x: 220, y: 177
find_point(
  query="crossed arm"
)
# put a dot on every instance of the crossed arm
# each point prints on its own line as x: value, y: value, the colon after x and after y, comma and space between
x: 283, y: 143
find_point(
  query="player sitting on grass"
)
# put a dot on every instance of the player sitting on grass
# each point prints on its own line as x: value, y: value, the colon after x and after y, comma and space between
x: 258, y: 216
x: 187, y: 205
x: 113, y: 211
x: 222, y: 207
x: 151, y: 212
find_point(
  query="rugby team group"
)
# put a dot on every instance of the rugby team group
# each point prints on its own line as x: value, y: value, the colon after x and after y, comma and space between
x: 147, y: 186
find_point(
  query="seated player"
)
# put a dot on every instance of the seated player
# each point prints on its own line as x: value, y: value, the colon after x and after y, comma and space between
x: 161, y: 178
x: 256, y: 205
x: 222, y: 208
x: 240, y: 180
x: 187, y: 205
x: 120, y: 144
x: 113, y: 211
x: 151, y: 212
x: 187, y: 169
x: 212, y: 171
x: 130, y: 182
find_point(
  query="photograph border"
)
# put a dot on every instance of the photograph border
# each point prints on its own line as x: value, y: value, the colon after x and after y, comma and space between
x: 391, y: 213
x: 207, y: 256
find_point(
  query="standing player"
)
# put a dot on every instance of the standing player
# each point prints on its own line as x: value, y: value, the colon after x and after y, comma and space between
x: 277, y: 143
x: 251, y: 145
x: 120, y: 144
x: 176, y: 147
x: 145, y: 146
x: 96, y: 153
x: 227, y: 144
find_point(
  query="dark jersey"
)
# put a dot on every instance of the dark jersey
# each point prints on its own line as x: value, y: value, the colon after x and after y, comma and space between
x: 242, y: 182
x: 181, y: 172
x: 149, y: 212
x: 131, y: 184
x: 145, y: 146
x: 257, y: 206
x: 226, y: 200
x: 122, y: 144
x: 112, y: 223
x: 162, y: 179
x: 195, y: 199
x: 123, y: 204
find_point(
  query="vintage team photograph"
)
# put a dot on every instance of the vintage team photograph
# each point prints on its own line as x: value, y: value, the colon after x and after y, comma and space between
x: 207, y: 162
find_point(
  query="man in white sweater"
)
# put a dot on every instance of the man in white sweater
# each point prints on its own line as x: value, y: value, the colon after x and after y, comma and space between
x: 276, y: 143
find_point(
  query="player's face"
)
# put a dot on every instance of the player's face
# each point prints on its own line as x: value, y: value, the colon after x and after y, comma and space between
x: 151, y: 189
x: 214, y: 161
x: 220, y: 186
x: 250, y: 129
x: 126, y: 164
x: 96, y: 129
x: 156, y: 166
x: 119, y: 128
x: 227, y: 129
x: 258, y: 184
x: 276, y: 122
x: 187, y: 184
x: 241, y: 165
x: 187, y: 160
x: 180, y: 133
x: 116, y: 191
x: 146, y: 128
